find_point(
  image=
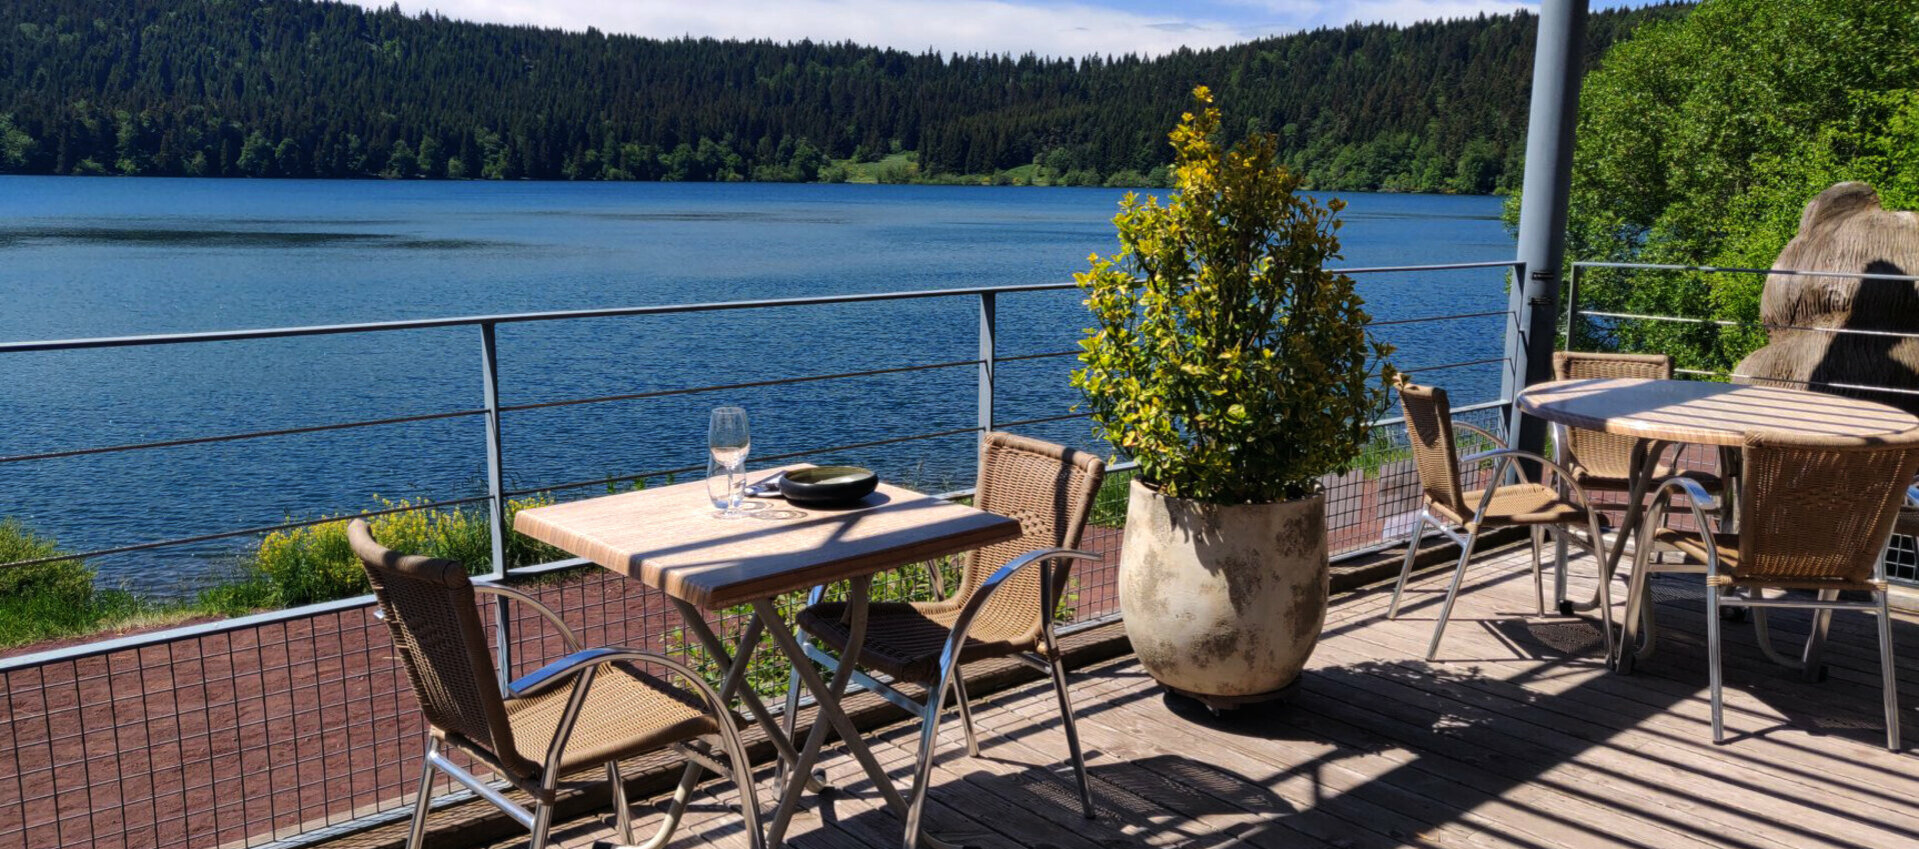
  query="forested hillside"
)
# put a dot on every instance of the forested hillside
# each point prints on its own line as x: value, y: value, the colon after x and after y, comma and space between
x: 292, y: 88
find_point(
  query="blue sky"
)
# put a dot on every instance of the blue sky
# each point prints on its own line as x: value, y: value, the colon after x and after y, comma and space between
x: 1047, y: 27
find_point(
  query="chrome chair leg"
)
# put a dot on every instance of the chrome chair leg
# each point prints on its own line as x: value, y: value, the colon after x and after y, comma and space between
x: 675, y: 809
x: 1406, y: 568
x: 1888, y: 671
x: 1605, y: 577
x: 1539, y: 585
x: 542, y: 823
x: 1812, y: 660
x: 1452, y: 593
x: 416, y: 833
x: 1637, y: 620
x: 928, y: 748
x: 966, y: 715
x: 1072, y: 734
x: 1713, y: 664
x: 622, y: 812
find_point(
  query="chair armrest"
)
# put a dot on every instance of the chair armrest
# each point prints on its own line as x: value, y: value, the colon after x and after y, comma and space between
x: 1484, y: 433
x: 1694, y: 492
x: 582, y: 666
x: 546, y: 677
x: 1699, y: 501
x: 547, y: 613
x: 1504, y: 458
x: 977, y: 601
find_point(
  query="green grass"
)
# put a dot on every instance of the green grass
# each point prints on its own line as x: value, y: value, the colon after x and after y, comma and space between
x: 305, y: 565
x: 47, y: 601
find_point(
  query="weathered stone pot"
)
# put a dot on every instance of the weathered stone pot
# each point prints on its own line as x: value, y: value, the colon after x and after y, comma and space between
x: 1223, y: 603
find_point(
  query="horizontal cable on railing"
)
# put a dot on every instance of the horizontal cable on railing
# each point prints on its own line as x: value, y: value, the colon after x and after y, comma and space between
x: 1827, y: 383
x: 1043, y: 420
x: 780, y: 381
x: 1432, y: 318
x: 234, y: 437
x: 1452, y: 365
x: 1444, y: 266
x: 1653, y: 266
x: 1469, y: 408
x: 1017, y: 357
x: 609, y: 312
x: 263, y: 529
x: 787, y: 456
x: 508, y: 318
x: 1748, y: 325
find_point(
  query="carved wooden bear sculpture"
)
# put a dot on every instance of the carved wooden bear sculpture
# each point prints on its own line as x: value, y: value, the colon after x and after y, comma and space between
x: 1844, y: 229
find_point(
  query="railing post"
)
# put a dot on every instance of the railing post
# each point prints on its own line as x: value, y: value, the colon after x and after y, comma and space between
x: 1572, y: 309
x: 496, y: 494
x: 988, y: 320
x: 1543, y: 208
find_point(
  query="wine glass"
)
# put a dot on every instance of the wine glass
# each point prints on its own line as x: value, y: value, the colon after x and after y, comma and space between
x: 727, y: 439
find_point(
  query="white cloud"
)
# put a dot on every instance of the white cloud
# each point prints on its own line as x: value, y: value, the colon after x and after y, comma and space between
x: 963, y: 26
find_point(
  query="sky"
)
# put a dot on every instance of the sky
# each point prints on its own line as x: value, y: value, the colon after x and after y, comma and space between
x: 1070, y: 28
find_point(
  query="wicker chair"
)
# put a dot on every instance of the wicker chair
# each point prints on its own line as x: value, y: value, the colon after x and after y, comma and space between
x: 589, y: 709
x: 1601, y: 461
x: 1447, y: 503
x: 1852, y: 485
x: 1007, y: 598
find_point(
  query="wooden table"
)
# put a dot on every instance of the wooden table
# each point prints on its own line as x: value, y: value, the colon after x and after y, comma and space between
x: 669, y: 539
x: 1661, y: 413
x: 1701, y: 413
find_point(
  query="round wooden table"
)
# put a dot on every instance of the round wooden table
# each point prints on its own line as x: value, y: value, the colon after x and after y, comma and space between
x: 1701, y: 413
x: 1660, y: 413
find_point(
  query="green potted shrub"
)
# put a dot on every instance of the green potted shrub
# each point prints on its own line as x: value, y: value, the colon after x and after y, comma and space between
x: 1237, y: 372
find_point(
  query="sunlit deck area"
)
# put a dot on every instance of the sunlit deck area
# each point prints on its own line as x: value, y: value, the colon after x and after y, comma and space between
x: 1519, y: 737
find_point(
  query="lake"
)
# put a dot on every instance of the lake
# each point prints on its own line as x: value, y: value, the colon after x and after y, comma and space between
x: 108, y: 257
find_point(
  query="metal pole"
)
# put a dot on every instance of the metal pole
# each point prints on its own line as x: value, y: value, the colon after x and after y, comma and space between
x: 988, y: 321
x: 496, y: 494
x: 1572, y: 310
x: 1542, y: 211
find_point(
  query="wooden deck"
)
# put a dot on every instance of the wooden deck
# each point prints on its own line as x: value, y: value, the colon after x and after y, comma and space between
x: 1518, y: 738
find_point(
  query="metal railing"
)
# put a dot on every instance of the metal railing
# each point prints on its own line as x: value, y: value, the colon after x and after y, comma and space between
x: 290, y: 724
x: 1903, y: 557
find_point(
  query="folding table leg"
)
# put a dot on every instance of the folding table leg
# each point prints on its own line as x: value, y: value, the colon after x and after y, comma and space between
x: 1645, y: 464
x: 736, y: 673
x: 827, y: 698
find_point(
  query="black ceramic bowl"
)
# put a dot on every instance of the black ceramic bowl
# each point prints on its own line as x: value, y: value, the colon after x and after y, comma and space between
x: 828, y: 485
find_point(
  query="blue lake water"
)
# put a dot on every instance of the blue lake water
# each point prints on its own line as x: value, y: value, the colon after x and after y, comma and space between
x: 109, y: 257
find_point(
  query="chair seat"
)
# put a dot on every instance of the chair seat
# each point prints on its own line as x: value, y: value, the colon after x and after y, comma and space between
x: 1693, y: 545
x: 1908, y: 522
x: 1518, y: 504
x: 1606, y: 483
x: 626, y: 713
x: 904, y: 639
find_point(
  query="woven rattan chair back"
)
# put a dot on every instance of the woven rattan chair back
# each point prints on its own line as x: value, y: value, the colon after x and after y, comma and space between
x: 1819, y: 509
x: 1598, y: 453
x: 1429, y: 425
x: 432, y: 615
x: 1050, y: 489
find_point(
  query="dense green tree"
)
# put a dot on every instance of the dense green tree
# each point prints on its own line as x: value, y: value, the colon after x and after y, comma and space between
x: 15, y: 144
x: 326, y: 89
x: 1702, y: 139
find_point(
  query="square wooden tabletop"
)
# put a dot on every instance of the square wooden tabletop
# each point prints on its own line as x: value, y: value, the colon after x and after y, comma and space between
x: 670, y: 539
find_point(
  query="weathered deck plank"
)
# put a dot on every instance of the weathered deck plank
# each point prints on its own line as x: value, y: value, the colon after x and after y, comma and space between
x: 1519, y: 737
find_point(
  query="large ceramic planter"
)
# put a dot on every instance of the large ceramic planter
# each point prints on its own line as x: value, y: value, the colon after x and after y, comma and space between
x: 1223, y: 603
